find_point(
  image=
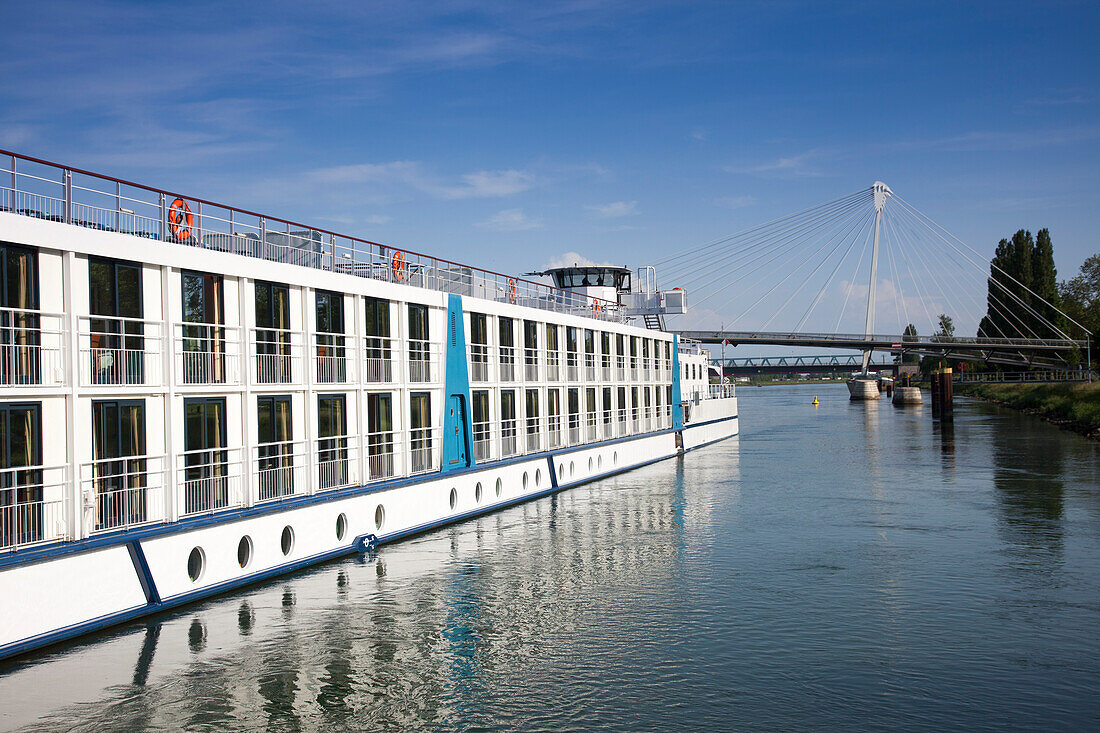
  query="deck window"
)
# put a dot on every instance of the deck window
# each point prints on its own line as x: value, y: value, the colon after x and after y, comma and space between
x: 206, y: 467
x: 275, y: 435
x: 21, y: 490
x: 119, y: 468
x: 203, y: 313
x: 20, y: 334
x: 116, y: 330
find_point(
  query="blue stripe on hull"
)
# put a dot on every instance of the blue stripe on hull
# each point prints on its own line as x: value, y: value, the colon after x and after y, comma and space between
x: 156, y: 605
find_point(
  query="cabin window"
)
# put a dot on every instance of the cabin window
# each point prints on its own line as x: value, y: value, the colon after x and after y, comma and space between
x: 508, y: 422
x: 506, y: 327
x: 206, y: 464
x: 203, y: 313
x: 331, y: 366
x: 116, y: 332
x: 272, y: 333
x: 275, y: 435
x: 332, y: 441
x: 380, y: 460
x: 420, y: 431
x: 419, y: 364
x: 377, y: 335
x: 20, y: 337
x: 119, y: 467
x: 21, y: 490
x: 532, y: 417
x: 481, y: 427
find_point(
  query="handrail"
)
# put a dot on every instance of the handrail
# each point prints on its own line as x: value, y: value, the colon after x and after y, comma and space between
x: 605, y: 304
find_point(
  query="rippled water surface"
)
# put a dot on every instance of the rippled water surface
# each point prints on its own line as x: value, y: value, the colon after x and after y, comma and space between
x: 848, y: 566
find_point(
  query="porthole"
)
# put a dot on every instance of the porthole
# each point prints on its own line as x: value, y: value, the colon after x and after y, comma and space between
x: 454, y: 498
x: 590, y: 464
x: 244, y: 551
x: 615, y: 458
x: 571, y: 469
x: 477, y: 492
x: 525, y: 481
x: 341, y: 526
x: 599, y: 462
x: 379, y: 516
x: 286, y: 542
x: 196, y: 563
x: 538, y: 477
x: 561, y: 471
x: 500, y: 486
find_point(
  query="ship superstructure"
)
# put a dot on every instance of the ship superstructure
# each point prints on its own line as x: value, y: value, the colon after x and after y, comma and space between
x: 194, y: 396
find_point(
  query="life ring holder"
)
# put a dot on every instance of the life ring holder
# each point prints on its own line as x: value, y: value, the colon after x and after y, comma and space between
x: 511, y: 290
x: 397, y: 264
x: 180, y: 220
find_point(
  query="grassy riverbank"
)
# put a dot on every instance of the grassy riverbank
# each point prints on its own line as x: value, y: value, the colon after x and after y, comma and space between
x: 1073, y: 406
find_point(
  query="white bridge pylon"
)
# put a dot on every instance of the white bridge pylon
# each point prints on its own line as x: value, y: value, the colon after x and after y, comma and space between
x: 869, y: 254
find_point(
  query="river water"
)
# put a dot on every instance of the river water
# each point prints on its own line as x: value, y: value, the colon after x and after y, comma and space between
x: 850, y: 565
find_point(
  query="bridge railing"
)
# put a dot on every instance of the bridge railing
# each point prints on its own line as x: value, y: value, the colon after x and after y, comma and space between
x: 1038, y: 376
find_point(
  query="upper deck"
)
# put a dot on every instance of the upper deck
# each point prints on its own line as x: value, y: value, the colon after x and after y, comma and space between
x: 45, y: 190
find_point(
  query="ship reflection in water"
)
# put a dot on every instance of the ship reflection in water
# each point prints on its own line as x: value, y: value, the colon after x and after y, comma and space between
x: 853, y: 565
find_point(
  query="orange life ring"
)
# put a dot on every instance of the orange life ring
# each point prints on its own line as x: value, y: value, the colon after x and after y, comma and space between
x: 180, y: 220
x: 511, y: 290
x: 596, y: 307
x: 398, y: 265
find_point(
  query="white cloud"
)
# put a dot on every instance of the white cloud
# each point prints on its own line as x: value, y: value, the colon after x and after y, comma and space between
x: 510, y: 220
x: 411, y: 173
x: 615, y: 209
x: 699, y: 134
x: 569, y: 259
x: 736, y: 202
x: 790, y: 165
x: 378, y: 219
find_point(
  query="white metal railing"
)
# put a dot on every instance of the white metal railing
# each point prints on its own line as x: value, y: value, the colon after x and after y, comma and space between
x: 44, y: 190
x: 718, y: 391
x: 634, y: 369
x: 620, y: 368
x: 553, y: 366
x: 276, y: 355
x: 553, y: 431
x: 423, y: 443
x: 33, y: 506
x: 334, y: 361
x: 123, y: 492
x: 211, y: 480
x: 32, y: 348
x: 483, y: 441
x: 608, y: 426
x: 423, y: 361
x: 507, y: 363
x: 605, y: 368
x: 207, y: 353
x: 534, y: 435
x: 378, y: 357
x: 531, y: 365
x: 383, y: 450
x: 479, y: 363
x: 571, y: 368
x: 574, y: 429
x: 336, y: 459
x: 119, y: 351
x: 590, y: 425
x: 279, y: 470
x: 590, y: 367
x: 624, y: 423
x: 636, y: 420
x: 508, y: 446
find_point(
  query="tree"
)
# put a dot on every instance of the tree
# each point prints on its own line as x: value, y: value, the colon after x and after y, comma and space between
x: 910, y: 335
x: 1044, y: 286
x: 1080, y: 298
x: 947, y: 329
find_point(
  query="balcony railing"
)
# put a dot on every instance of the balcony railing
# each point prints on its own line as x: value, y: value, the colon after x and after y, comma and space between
x: 483, y: 441
x: 44, y: 190
x: 590, y: 367
x: 33, y: 506
x: 608, y: 427
x: 279, y: 470
x: 620, y: 369
x: 32, y: 348
x: 334, y: 362
x: 123, y: 492
x: 531, y: 365
x: 508, y: 445
x: 383, y: 450
x: 378, y: 356
x: 718, y: 391
x: 574, y: 429
x: 276, y: 356
x: 590, y: 425
x: 553, y: 366
x: 337, y: 461
x: 210, y: 480
x: 572, y: 370
x: 423, y: 361
x: 553, y: 431
x: 605, y: 368
x: 479, y: 363
x: 507, y: 363
x: 207, y: 353
x: 533, y: 435
x: 119, y: 351
x: 624, y: 423
x: 422, y: 449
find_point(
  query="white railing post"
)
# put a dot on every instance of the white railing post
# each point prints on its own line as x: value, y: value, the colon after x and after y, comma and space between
x: 172, y: 509
x: 309, y: 363
x: 248, y: 428
x: 74, y: 501
x: 67, y: 188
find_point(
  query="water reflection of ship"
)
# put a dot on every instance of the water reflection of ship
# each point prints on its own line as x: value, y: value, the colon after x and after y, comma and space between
x: 410, y: 628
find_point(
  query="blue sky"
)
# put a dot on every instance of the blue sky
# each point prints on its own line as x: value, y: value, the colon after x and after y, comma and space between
x: 507, y: 134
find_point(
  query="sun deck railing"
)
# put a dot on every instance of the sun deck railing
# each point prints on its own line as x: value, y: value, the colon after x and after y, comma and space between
x: 33, y: 506
x: 32, y: 348
x: 44, y: 190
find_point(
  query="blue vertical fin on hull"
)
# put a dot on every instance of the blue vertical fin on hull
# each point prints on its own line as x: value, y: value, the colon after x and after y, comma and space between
x: 677, y: 399
x: 458, y: 449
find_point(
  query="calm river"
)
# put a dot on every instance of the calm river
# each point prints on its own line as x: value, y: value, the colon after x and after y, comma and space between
x: 845, y: 566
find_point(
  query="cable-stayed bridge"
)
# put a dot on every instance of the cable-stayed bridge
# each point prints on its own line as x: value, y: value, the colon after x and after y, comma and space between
x: 867, y: 272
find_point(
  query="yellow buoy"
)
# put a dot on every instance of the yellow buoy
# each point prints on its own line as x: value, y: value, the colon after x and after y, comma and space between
x: 815, y: 402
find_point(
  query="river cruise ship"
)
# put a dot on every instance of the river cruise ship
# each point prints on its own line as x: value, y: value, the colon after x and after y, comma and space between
x: 194, y: 397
